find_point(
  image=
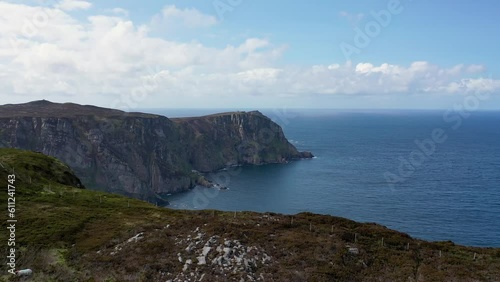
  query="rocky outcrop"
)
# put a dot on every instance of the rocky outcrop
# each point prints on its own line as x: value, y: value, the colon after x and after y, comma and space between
x: 142, y: 155
x: 221, y: 256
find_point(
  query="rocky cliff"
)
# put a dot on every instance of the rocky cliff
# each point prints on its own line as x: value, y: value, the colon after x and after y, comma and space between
x: 142, y: 155
x: 227, y: 139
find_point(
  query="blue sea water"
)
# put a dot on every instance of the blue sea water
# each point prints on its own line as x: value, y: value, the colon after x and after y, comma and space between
x: 445, y: 190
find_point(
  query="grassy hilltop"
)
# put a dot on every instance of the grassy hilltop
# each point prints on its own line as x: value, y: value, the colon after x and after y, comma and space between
x: 68, y: 233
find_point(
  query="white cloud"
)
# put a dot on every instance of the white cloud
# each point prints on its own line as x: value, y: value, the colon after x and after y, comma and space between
x: 476, y: 69
x: 172, y: 17
x: 354, y: 19
x: 104, y: 57
x: 70, y: 5
x: 120, y: 12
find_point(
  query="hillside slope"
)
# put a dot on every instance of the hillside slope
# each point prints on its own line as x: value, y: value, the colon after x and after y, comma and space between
x: 65, y: 233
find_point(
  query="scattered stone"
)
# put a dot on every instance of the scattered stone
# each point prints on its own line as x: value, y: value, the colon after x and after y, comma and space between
x: 227, y: 251
x: 202, y: 260
x: 190, y: 247
x: 228, y: 258
x: 206, y: 250
x: 136, y: 238
x: 354, y: 251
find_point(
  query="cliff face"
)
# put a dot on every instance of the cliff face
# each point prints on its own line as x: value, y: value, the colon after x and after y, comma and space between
x: 142, y: 155
x: 226, y: 139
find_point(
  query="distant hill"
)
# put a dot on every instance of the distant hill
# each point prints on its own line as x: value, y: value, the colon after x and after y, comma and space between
x: 65, y: 233
x: 143, y: 155
x: 47, y: 109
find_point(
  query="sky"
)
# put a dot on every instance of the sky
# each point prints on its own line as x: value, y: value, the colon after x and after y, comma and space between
x: 373, y: 54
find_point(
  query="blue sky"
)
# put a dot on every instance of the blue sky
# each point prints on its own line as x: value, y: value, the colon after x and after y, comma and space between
x: 252, y: 54
x: 444, y: 32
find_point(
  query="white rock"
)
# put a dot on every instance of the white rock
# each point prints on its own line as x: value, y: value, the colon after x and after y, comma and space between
x: 190, y: 247
x: 201, y: 260
x: 213, y: 239
x: 227, y: 252
x: 206, y: 250
x: 266, y: 258
x: 136, y: 237
x: 354, y: 251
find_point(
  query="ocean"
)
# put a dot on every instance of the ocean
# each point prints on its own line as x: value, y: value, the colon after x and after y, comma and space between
x: 432, y: 174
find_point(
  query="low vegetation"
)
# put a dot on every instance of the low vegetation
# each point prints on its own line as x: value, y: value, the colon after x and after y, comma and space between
x: 67, y: 233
